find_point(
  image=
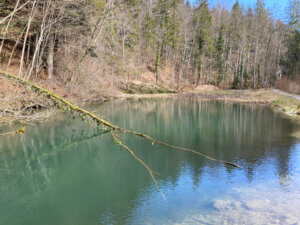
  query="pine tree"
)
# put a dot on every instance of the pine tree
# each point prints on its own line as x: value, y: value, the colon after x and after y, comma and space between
x: 148, y: 30
x: 235, y: 39
x: 293, y: 52
x: 220, y: 54
x: 202, y: 23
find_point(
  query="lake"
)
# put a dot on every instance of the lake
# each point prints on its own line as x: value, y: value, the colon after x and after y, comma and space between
x: 65, y: 171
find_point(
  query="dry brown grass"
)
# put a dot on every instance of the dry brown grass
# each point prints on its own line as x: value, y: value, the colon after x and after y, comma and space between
x: 288, y: 85
x: 206, y: 88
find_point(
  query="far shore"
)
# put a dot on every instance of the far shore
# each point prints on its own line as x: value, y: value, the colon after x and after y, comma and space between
x: 279, y: 101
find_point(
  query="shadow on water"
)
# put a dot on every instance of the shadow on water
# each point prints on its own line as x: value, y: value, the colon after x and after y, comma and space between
x: 65, y: 172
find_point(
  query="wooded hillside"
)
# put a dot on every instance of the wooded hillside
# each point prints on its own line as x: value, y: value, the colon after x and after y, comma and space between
x: 85, y: 41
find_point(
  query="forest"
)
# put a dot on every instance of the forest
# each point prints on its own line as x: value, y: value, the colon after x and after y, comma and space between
x: 171, y: 43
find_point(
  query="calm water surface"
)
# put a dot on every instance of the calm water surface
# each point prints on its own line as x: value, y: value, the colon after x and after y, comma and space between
x: 64, y: 172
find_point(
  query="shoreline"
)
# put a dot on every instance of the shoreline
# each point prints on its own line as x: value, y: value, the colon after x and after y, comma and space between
x: 277, y: 101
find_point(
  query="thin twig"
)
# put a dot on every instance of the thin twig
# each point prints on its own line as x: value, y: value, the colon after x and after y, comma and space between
x: 118, y: 141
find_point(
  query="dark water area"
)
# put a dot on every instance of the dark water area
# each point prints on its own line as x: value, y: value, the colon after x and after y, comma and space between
x: 64, y: 171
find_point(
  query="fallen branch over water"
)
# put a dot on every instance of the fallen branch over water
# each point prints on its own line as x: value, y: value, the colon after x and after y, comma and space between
x: 180, y: 148
x: 65, y: 105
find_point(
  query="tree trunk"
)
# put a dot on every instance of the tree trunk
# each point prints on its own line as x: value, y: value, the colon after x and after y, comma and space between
x: 50, y: 57
x: 25, y: 39
x: 173, y: 70
x: 28, y: 50
x: 248, y: 60
x: 157, y: 60
x: 200, y: 69
x: 242, y: 68
x: 123, y: 54
x: 112, y: 77
x: 182, y: 61
x: 254, y: 71
x: 36, y: 52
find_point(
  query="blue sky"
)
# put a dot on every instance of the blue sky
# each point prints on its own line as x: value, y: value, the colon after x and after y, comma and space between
x: 277, y: 7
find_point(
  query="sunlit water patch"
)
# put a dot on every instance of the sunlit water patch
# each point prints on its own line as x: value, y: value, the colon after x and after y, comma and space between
x: 65, y: 171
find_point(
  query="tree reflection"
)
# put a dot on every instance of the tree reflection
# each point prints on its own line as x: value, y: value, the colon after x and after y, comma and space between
x: 234, y: 132
x: 64, y: 162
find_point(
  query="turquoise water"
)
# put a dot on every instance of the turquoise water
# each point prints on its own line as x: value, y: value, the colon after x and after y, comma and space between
x: 65, y: 171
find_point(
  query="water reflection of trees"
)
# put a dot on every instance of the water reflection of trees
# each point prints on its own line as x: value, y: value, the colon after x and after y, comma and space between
x: 53, y: 148
x: 234, y: 132
x: 87, y: 167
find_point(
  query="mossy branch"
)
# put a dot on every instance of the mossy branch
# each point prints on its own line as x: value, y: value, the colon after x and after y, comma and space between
x: 72, y: 107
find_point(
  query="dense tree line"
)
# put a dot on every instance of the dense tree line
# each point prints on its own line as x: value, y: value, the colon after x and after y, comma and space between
x: 240, y: 48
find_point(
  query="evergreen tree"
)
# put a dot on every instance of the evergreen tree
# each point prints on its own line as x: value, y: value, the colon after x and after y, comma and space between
x: 149, y: 30
x: 220, y: 54
x: 293, y: 52
x: 203, y: 24
x: 235, y: 39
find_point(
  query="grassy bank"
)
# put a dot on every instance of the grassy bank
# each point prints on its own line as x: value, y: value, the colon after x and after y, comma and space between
x: 277, y: 101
